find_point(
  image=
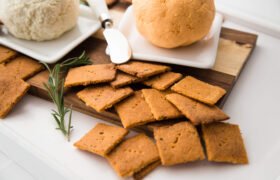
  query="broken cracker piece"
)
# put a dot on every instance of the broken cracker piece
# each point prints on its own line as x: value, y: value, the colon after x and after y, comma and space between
x: 224, y: 143
x: 101, y: 139
x: 160, y: 107
x: 132, y: 155
x: 199, y: 90
x: 178, y: 143
x: 103, y: 97
x: 142, y: 69
x: 123, y: 79
x: 90, y: 74
x: 195, y: 111
x: 163, y: 81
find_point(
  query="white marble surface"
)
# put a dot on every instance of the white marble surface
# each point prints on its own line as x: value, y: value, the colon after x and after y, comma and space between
x: 253, y: 104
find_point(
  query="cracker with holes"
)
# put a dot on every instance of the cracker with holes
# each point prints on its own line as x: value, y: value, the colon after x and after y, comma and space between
x: 132, y: 155
x: 90, y: 74
x: 160, y: 107
x: 178, y: 143
x: 6, y: 54
x: 101, y: 139
x: 123, y: 79
x: 103, y: 97
x: 199, y: 90
x: 134, y: 111
x: 224, y: 143
x: 142, y: 69
x: 22, y: 67
x: 11, y: 91
x: 195, y: 111
x: 163, y: 81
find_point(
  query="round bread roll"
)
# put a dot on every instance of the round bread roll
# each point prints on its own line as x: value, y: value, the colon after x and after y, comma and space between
x: 39, y: 20
x: 173, y: 23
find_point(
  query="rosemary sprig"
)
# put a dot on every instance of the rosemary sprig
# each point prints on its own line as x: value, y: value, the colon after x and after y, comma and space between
x: 55, y: 88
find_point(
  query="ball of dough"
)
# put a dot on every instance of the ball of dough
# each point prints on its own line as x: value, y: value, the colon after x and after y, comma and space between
x: 173, y: 23
x: 39, y: 20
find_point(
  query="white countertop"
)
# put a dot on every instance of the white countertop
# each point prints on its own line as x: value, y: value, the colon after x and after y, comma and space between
x: 253, y: 103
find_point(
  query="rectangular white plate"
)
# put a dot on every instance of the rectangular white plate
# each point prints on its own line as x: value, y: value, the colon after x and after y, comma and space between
x: 201, y: 54
x: 54, y: 50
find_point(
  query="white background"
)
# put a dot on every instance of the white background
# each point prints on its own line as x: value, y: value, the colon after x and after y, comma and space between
x: 253, y: 104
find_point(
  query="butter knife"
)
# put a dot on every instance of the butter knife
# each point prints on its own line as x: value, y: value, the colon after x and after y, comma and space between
x: 119, y: 48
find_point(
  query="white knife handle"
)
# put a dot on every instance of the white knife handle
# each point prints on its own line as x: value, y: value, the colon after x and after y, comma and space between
x: 100, y: 7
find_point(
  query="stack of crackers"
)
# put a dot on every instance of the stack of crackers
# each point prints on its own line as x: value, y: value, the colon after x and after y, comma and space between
x: 14, y: 69
x: 181, y: 111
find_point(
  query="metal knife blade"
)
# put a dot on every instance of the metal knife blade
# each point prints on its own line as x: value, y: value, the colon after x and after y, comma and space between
x: 120, y: 50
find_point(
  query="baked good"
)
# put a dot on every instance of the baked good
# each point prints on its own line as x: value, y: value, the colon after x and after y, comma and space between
x: 6, y: 54
x: 134, y: 111
x: 175, y: 23
x: 90, y: 74
x: 196, y: 112
x: 160, y: 107
x: 123, y: 79
x: 146, y: 170
x: 199, y: 90
x: 101, y: 139
x: 178, y: 143
x: 142, y: 69
x: 132, y: 155
x: 163, y: 81
x: 12, y: 90
x: 103, y: 97
x: 224, y: 143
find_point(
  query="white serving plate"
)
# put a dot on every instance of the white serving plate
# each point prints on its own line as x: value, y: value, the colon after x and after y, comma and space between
x: 54, y: 50
x: 200, y: 55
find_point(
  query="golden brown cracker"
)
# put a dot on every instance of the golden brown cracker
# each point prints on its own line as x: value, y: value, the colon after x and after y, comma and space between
x: 101, y: 139
x: 132, y: 155
x: 160, y: 107
x: 163, y: 81
x: 224, y: 143
x: 178, y: 143
x: 6, y: 54
x: 123, y: 79
x: 142, y: 69
x: 199, y: 90
x: 134, y: 111
x: 11, y: 91
x: 195, y: 111
x: 90, y: 74
x: 22, y: 67
x: 146, y: 170
x: 103, y: 97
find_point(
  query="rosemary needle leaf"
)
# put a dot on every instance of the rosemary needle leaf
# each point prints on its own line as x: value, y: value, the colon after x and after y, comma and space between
x: 55, y: 89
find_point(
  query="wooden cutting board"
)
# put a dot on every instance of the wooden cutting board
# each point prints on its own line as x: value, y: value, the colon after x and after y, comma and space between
x: 234, y: 50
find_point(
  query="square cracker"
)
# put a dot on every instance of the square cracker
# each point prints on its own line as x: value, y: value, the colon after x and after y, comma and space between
x: 22, y: 67
x: 160, y: 107
x: 101, y: 139
x: 195, y: 111
x: 163, y: 81
x: 141, y: 69
x: 11, y: 91
x: 224, y: 143
x: 133, y: 154
x: 134, y: 111
x: 123, y: 79
x: 6, y: 54
x: 199, y: 90
x: 90, y: 74
x: 103, y: 97
x: 178, y: 143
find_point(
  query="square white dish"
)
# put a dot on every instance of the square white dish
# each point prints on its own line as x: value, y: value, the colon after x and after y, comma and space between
x: 201, y: 54
x: 54, y: 50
